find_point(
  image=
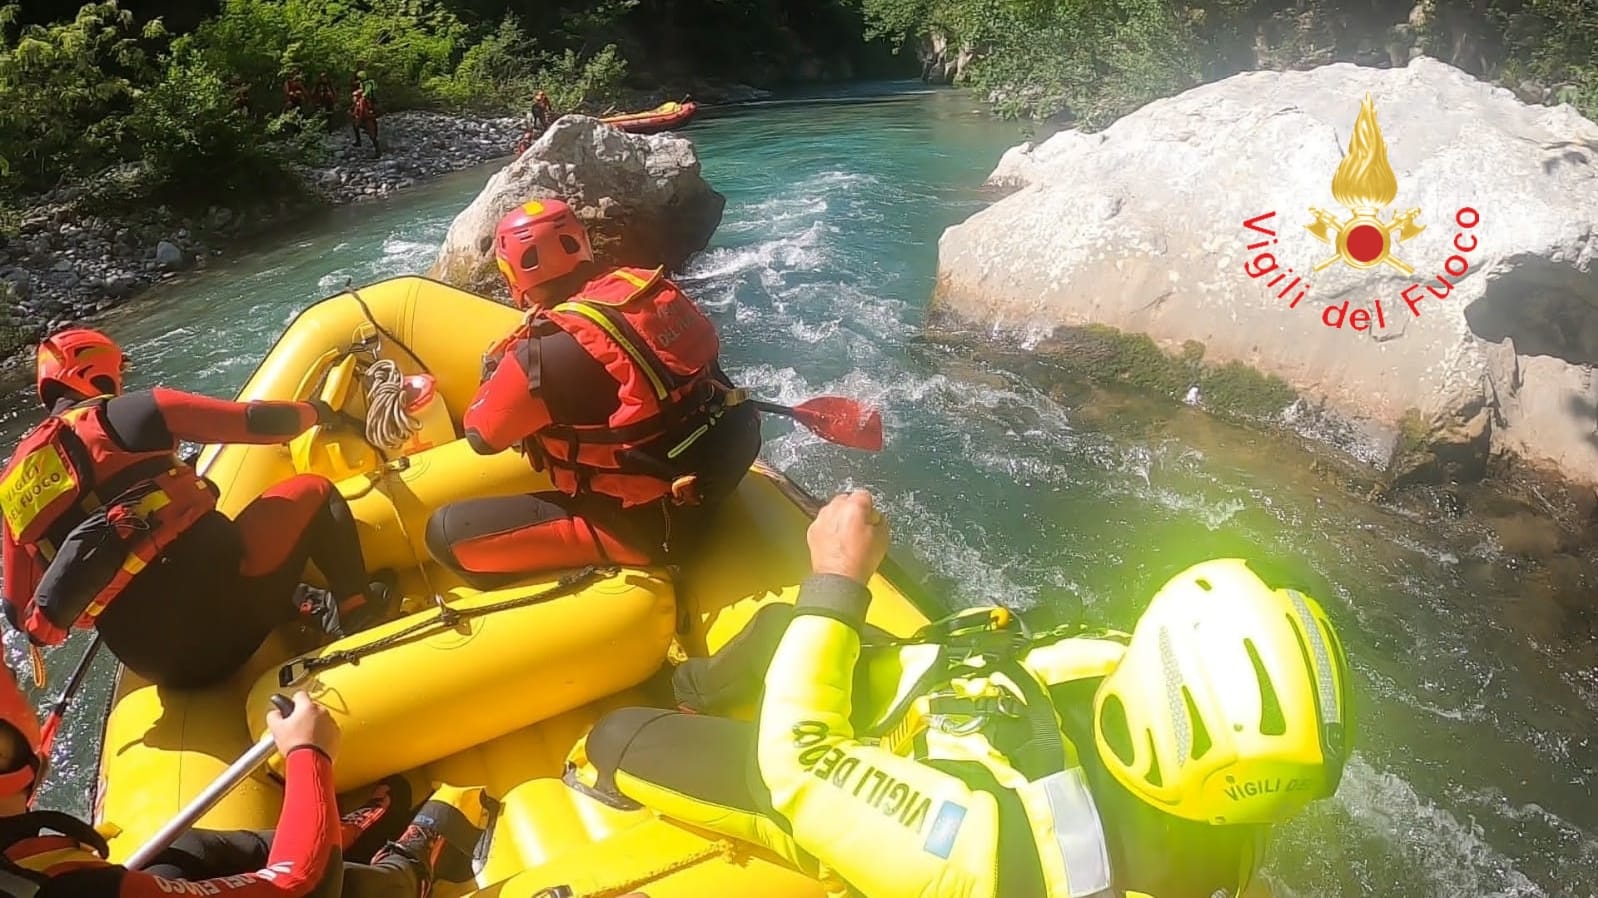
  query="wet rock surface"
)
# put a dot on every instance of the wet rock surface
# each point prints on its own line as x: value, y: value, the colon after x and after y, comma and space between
x: 642, y: 199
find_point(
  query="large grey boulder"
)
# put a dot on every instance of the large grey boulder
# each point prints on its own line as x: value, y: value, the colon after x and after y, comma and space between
x: 642, y: 199
x: 1142, y: 227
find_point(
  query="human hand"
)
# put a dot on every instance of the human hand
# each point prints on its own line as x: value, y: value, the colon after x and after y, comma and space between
x: 308, y: 724
x: 848, y: 537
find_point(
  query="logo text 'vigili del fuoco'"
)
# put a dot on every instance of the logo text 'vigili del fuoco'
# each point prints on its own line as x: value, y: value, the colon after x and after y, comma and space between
x: 1364, y: 185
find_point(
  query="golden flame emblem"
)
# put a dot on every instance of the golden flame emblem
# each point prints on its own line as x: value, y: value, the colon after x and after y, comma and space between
x: 1365, y: 185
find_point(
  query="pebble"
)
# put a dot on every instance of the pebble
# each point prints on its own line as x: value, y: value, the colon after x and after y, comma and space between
x: 67, y: 264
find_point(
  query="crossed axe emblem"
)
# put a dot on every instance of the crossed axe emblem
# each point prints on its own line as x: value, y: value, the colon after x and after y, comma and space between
x: 1329, y: 229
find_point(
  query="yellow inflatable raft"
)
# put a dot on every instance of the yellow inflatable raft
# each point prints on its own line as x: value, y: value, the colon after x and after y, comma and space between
x: 465, y: 688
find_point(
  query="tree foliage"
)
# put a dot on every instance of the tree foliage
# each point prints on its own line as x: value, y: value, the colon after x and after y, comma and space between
x: 105, y: 88
x: 1091, y: 61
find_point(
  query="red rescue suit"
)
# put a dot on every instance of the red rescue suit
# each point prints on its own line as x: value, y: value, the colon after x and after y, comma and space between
x: 88, y: 516
x: 661, y: 351
x: 36, y: 862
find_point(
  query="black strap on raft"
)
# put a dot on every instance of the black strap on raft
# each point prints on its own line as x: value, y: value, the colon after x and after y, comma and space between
x: 17, y: 880
x: 446, y: 618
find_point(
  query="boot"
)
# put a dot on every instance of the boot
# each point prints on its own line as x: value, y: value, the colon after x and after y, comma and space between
x: 442, y: 835
x: 376, y: 606
x: 380, y: 819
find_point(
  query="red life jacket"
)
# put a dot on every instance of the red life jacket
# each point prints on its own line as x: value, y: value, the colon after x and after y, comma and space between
x: 31, y: 860
x: 68, y: 489
x: 662, y: 351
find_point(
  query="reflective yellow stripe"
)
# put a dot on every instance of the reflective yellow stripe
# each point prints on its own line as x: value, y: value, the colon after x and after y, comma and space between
x: 599, y: 318
x: 633, y: 279
x: 43, y: 861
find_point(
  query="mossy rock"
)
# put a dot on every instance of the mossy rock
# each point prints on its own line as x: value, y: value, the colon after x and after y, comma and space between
x: 1101, y: 354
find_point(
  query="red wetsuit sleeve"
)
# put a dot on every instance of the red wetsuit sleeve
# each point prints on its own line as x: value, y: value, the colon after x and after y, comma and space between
x: 201, y: 419
x: 307, y: 832
x: 504, y: 411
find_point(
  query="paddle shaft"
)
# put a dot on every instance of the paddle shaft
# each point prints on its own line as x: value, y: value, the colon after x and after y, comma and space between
x: 237, y: 772
x: 79, y: 674
x: 774, y: 408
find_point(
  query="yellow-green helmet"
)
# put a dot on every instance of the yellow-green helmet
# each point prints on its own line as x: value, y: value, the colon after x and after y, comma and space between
x: 1232, y: 703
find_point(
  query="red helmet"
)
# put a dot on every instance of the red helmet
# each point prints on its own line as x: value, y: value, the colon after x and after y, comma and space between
x: 18, y: 713
x: 83, y: 361
x: 538, y: 242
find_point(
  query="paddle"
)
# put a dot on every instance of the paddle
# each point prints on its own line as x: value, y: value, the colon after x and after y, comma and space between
x: 836, y: 419
x: 58, y: 710
x: 237, y: 772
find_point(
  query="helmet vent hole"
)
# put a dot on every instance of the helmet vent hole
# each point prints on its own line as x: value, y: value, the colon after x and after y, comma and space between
x: 1272, y: 723
x: 1201, y: 733
x: 1154, y: 777
x: 1112, y: 724
x: 569, y: 244
x: 1204, y: 584
x: 530, y: 257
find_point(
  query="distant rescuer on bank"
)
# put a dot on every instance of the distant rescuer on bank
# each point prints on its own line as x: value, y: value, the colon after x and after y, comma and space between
x: 613, y: 385
x: 104, y: 526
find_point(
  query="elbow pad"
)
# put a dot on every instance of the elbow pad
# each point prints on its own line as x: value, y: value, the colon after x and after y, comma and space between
x: 273, y: 419
x: 479, y: 444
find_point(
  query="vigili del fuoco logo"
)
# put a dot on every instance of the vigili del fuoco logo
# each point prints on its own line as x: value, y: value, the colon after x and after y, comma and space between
x: 1365, y: 185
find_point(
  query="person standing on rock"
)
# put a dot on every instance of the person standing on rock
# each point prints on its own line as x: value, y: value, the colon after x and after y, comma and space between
x: 363, y: 110
x: 294, y: 96
x: 104, y: 526
x: 543, y: 112
x: 613, y: 385
x: 324, y: 97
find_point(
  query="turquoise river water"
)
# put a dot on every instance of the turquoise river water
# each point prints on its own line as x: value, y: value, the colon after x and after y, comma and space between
x: 1475, y: 660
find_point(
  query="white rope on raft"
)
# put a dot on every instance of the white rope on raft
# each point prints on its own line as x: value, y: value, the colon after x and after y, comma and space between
x: 388, y: 424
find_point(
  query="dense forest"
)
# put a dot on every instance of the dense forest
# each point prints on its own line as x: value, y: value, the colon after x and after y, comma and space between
x: 181, y: 100
x: 1091, y: 61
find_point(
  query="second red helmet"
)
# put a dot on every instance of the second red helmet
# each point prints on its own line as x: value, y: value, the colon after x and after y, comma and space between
x: 537, y: 242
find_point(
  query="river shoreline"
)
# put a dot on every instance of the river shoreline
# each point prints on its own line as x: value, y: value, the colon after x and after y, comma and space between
x: 68, y: 263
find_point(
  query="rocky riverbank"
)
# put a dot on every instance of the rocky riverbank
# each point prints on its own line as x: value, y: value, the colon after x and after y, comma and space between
x: 69, y: 260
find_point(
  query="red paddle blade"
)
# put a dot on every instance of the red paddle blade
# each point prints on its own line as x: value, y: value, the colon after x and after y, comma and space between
x: 841, y: 420
x: 47, y: 735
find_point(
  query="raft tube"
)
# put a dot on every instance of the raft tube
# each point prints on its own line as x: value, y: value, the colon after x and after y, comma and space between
x: 664, y: 117
x: 467, y: 687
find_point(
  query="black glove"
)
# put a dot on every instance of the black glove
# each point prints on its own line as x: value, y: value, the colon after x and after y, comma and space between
x: 326, y: 415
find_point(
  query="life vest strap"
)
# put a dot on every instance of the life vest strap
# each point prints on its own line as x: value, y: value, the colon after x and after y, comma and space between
x: 610, y: 319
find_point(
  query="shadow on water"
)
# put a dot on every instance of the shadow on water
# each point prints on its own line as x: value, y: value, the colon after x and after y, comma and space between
x: 1468, y: 615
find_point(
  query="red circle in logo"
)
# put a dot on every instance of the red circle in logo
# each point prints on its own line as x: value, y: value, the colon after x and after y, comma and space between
x: 1366, y: 242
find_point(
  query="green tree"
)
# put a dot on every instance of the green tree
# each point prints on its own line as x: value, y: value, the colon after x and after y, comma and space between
x: 65, y: 91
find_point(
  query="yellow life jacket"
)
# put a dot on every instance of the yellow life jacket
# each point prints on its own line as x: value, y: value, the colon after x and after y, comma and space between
x: 941, y: 700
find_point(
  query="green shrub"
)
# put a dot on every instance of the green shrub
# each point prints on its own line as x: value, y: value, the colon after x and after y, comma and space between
x: 588, y: 85
x: 187, y: 124
x: 65, y: 91
x: 496, y: 73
